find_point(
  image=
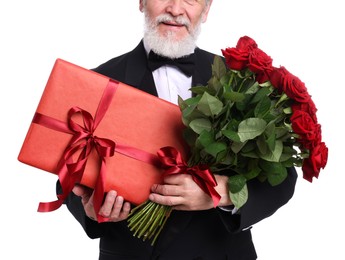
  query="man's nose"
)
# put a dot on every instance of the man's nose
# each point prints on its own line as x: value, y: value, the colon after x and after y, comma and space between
x: 175, y: 7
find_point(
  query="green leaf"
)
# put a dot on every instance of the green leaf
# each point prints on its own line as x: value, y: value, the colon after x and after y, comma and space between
x: 236, y: 183
x: 232, y: 135
x: 262, y: 145
x: 229, y: 159
x: 199, y: 89
x: 274, y: 156
x: 287, y: 110
x: 206, y: 138
x: 216, y: 148
x: 225, y: 80
x: 218, y: 67
x: 210, y: 105
x: 190, y: 136
x: 187, y: 111
x: 200, y: 124
x: 281, y: 132
x: 266, y: 84
x: 250, y: 128
x: 239, y: 198
x: 192, y: 100
x: 213, y: 85
x: 263, y: 92
x: 271, y: 142
x: 237, y: 146
x: 244, y: 105
x: 252, y: 154
x: 283, y: 98
x: 276, y: 172
x: 277, y: 177
x: 254, y: 88
x: 288, y: 152
x: 252, y: 173
x: 262, y: 107
x: 270, y: 135
x: 250, y: 146
x: 234, y: 96
x: 182, y: 104
x: 188, y: 106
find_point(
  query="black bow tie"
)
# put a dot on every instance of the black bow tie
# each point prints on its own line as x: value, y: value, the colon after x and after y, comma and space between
x: 185, y: 64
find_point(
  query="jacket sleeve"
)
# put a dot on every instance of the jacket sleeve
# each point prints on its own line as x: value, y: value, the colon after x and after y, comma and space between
x: 263, y: 201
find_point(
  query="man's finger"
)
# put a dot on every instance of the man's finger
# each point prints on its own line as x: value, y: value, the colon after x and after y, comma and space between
x: 108, y: 204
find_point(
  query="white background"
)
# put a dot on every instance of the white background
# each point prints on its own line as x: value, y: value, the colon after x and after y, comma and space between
x: 307, y: 37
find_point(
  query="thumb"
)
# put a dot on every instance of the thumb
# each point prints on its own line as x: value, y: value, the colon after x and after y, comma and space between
x: 81, y: 190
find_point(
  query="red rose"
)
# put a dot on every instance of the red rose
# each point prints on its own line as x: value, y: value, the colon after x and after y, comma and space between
x: 246, y: 43
x: 317, y: 159
x: 309, y: 108
x: 292, y: 86
x: 323, y: 149
x: 303, y: 125
x: 261, y: 64
x: 236, y: 59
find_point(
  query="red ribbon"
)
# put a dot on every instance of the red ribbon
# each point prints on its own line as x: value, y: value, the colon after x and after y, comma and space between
x: 82, y: 143
x: 173, y: 163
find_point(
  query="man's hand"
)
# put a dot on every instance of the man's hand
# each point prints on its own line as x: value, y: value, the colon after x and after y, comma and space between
x: 182, y: 193
x: 114, y: 207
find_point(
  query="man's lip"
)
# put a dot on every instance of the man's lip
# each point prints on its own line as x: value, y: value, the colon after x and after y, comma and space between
x: 173, y: 24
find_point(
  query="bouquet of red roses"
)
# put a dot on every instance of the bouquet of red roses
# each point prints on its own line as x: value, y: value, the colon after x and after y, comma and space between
x: 252, y: 120
x: 305, y: 132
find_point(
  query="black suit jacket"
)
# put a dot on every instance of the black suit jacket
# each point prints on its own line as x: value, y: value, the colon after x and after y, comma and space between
x: 209, y: 235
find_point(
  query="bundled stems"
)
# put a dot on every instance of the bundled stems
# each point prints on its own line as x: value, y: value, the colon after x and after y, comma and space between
x: 148, y: 219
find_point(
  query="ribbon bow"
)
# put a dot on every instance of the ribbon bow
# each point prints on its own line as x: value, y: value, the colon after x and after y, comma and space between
x: 82, y: 143
x: 84, y: 140
x: 173, y: 163
x: 185, y: 64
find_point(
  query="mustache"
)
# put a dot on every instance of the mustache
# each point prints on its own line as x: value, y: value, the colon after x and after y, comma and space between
x: 180, y: 20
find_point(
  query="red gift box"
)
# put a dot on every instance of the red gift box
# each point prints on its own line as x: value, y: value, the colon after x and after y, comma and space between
x: 83, y: 115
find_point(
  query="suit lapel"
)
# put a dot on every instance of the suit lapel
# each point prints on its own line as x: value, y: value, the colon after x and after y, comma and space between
x: 137, y: 72
x: 203, y: 67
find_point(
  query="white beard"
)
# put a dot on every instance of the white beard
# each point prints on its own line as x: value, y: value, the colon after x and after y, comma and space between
x: 167, y: 45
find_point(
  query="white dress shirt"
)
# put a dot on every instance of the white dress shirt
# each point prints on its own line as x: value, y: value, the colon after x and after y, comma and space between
x: 171, y: 82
